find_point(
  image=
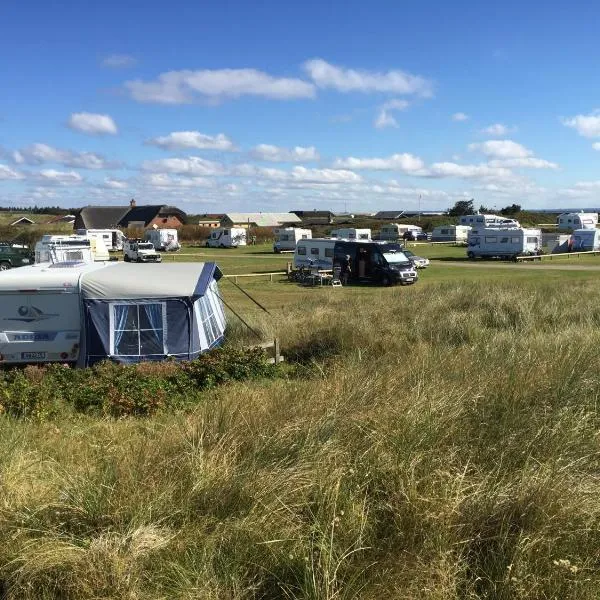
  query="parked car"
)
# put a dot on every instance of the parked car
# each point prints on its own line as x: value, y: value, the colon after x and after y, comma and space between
x: 14, y: 255
x: 140, y: 251
x: 418, y: 261
x: 415, y: 236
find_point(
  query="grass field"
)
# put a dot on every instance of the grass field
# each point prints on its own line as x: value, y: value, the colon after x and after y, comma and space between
x: 439, y: 441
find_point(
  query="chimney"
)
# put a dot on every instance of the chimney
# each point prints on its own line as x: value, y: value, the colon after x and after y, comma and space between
x: 132, y: 203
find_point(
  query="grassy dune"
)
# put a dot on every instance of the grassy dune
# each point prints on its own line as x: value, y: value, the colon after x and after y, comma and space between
x: 434, y: 443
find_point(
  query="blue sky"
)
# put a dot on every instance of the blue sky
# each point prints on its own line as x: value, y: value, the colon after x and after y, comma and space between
x: 271, y: 105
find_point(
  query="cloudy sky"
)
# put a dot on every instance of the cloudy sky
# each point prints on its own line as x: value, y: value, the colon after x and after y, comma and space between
x: 270, y: 105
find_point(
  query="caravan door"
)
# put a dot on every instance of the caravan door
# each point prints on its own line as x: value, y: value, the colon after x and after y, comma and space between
x: 40, y: 326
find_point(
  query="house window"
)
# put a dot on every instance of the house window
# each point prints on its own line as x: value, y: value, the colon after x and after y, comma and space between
x: 138, y: 329
x: 302, y: 250
x: 314, y: 251
x: 209, y: 320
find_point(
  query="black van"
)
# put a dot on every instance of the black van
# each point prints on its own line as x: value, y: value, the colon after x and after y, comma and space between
x: 14, y: 255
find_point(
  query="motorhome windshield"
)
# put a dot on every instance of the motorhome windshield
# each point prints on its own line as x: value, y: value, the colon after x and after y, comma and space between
x: 395, y: 257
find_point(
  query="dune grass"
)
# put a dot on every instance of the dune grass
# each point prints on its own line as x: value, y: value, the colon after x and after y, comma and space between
x: 432, y: 442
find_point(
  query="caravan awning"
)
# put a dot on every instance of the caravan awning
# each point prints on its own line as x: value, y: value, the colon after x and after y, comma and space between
x: 163, y: 280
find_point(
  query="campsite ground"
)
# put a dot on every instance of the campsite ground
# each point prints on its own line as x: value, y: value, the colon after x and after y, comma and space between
x: 435, y: 442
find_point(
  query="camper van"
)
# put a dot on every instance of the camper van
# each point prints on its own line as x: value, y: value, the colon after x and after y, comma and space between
x: 226, y: 237
x: 351, y: 233
x: 571, y: 221
x: 166, y: 240
x: 487, y: 221
x: 65, y: 248
x: 113, y: 238
x: 286, y: 238
x: 84, y: 313
x: 369, y: 261
x: 584, y: 240
x: 394, y: 231
x: 450, y: 233
x: 498, y: 242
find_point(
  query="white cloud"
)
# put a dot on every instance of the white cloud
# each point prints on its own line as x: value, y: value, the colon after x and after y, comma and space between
x: 37, y: 154
x: 60, y: 177
x: 406, y: 163
x: 525, y: 163
x: 180, y: 140
x: 92, y: 123
x: 163, y: 180
x: 585, y: 125
x: 501, y: 149
x: 279, y: 154
x: 384, y: 118
x: 326, y: 75
x: 183, y: 87
x: 119, y: 61
x: 115, y: 184
x: 460, y: 116
x: 8, y: 173
x: 193, y: 166
x: 449, y: 169
x: 596, y: 146
x: 498, y: 130
x: 302, y: 174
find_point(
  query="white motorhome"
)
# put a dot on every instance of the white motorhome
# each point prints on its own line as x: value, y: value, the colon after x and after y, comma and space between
x: 287, y: 237
x: 84, y: 313
x: 450, y: 233
x: 500, y: 242
x: 65, y: 248
x: 351, y: 233
x: 394, y: 231
x: 375, y: 262
x: 487, y: 221
x: 584, y: 240
x: 112, y: 238
x: 573, y: 220
x: 226, y: 237
x: 163, y: 239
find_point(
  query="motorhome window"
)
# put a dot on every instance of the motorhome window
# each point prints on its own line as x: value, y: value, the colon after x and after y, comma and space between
x: 504, y: 240
x: 444, y: 232
x: 351, y: 236
x: 304, y: 236
x: 474, y: 241
x: 515, y: 240
x: 491, y: 239
x: 314, y: 251
x: 363, y: 236
x: 138, y: 329
x: 302, y: 250
x: 532, y: 240
x: 329, y: 252
x: 226, y: 232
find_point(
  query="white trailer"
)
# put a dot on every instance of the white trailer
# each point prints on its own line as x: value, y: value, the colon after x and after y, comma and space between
x: 584, y: 240
x: 226, y: 237
x: 573, y: 220
x: 287, y: 237
x: 351, y: 233
x: 394, y: 231
x: 450, y: 233
x: 166, y: 240
x: 487, y: 221
x: 499, y: 242
x: 65, y: 248
x: 112, y: 238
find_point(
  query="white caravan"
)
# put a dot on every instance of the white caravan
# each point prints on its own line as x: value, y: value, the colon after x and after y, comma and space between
x: 394, y: 231
x: 498, y: 242
x: 450, y: 233
x: 66, y: 248
x: 487, y: 221
x: 163, y: 239
x: 351, y: 233
x: 571, y: 221
x: 287, y: 237
x: 226, y: 237
x: 112, y: 238
x: 584, y: 240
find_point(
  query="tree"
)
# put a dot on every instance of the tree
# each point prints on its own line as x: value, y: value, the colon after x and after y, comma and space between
x: 462, y: 207
x: 513, y: 209
x: 484, y: 209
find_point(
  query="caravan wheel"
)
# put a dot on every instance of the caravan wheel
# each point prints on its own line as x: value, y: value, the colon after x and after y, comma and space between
x: 4, y: 266
x: 470, y: 255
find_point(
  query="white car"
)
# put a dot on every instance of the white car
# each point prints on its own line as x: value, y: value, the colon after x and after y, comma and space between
x: 140, y: 251
x: 418, y: 261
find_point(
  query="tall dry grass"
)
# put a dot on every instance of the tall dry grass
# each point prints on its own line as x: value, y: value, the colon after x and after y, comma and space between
x: 433, y: 443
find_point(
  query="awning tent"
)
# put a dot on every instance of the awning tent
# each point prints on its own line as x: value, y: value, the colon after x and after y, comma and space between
x: 134, y: 313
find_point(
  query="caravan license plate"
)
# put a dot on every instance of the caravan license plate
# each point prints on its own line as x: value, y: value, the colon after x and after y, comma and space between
x: 32, y: 355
